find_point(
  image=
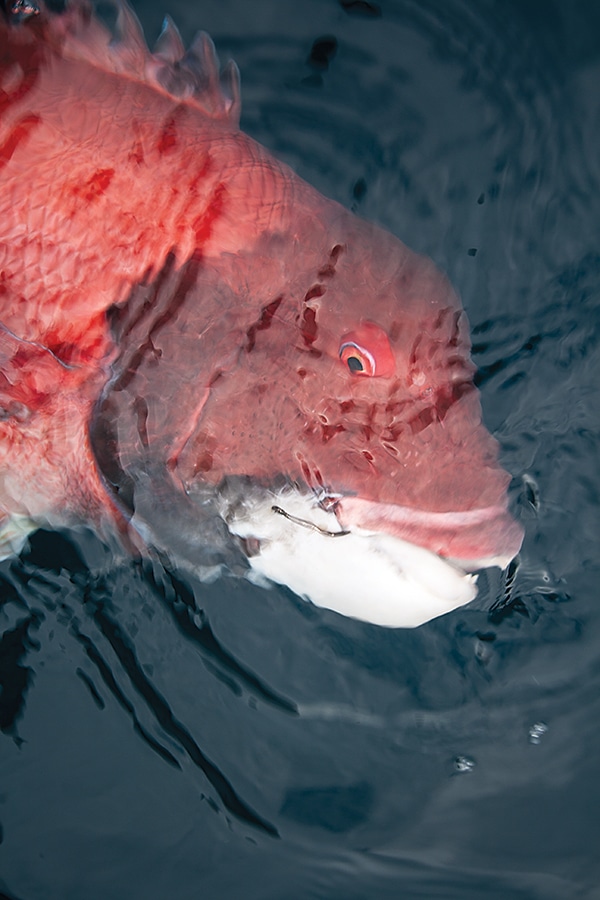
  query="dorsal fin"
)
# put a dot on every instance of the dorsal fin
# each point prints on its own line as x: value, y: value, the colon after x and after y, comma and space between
x: 191, y: 76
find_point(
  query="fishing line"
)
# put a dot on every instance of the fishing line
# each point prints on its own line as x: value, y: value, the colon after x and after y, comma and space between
x: 304, y: 522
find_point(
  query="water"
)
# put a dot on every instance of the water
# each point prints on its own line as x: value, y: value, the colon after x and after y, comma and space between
x: 165, y: 738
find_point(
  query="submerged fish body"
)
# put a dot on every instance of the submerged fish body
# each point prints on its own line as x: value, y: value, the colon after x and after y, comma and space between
x: 198, y: 347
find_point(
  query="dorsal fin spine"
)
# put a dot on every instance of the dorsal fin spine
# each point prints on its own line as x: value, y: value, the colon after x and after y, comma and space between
x: 193, y: 76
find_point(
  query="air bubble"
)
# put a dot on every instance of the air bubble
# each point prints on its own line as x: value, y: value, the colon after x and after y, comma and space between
x: 537, y: 732
x: 463, y: 764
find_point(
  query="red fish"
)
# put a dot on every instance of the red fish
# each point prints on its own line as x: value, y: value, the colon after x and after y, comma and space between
x: 198, y: 347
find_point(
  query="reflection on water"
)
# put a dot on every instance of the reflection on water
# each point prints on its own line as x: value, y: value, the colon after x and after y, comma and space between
x: 161, y: 737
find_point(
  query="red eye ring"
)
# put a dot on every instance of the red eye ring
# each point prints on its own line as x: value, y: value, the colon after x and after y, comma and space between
x: 358, y: 359
x: 367, y: 351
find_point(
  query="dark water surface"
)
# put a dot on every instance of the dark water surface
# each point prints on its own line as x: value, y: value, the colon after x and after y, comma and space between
x: 162, y: 738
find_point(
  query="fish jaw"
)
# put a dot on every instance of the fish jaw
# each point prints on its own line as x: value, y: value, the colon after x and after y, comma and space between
x: 472, y: 539
x: 366, y: 575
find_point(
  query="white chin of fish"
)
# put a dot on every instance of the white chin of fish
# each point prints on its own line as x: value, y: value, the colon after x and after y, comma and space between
x: 366, y: 575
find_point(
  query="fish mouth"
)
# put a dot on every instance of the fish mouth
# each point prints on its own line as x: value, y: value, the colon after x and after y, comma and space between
x: 472, y: 539
x: 294, y: 538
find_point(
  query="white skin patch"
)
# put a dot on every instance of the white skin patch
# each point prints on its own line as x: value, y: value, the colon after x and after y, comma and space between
x: 14, y: 531
x: 365, y: 575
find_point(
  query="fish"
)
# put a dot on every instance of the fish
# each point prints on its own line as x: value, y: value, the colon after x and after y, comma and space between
x: 208, y: 360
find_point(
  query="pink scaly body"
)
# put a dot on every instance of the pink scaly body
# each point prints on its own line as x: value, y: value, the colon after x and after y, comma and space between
x: 178, y: 308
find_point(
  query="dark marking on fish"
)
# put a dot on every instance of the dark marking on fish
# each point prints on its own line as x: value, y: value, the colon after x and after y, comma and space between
x: 204, y: 462
x: 141, y: 410
x: 136, y: 154
x: 177, y: 294
x: 317, y: 290
x: 441, y: 317
x: 203, y: 224
x: 412, y: 357
x: 264, y: 321
x: 329, y: 431
x: 309, y: 326
x: 305, y: 468
x: 394, y: 331
x: 201, y: 450
x: 423, y: 419
x: 318, y: 477
x: 455, y: 335
x: 168, y: 138
x: 328, y: 271
x: 448, y: 395
x: 29, y: 60
x: 19, y: 133
x: 95, y: 186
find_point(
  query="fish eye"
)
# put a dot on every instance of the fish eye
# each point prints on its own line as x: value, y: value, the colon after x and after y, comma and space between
x: 358, y: 359
x: 367, y: 351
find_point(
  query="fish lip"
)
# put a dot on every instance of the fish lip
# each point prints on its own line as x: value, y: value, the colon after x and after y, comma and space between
x: 469, y: 539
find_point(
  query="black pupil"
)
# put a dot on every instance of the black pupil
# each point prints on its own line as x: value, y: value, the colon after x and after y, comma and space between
x: 354, y: 364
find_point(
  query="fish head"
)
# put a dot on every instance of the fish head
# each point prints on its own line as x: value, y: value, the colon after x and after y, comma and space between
x: 354, y: 381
